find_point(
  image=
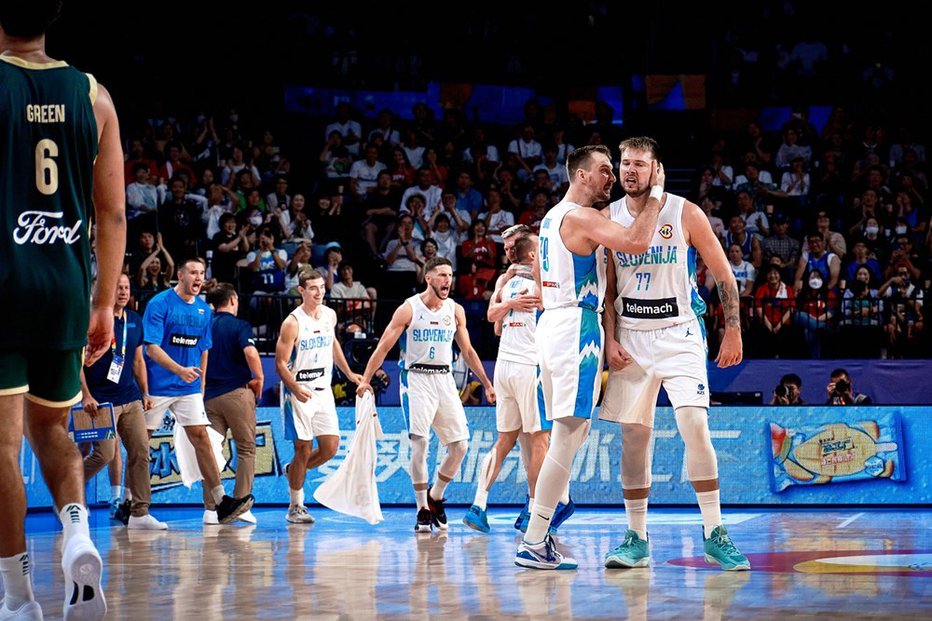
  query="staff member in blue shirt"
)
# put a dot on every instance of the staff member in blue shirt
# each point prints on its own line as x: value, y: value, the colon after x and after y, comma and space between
x: 234, y: 386
x: 111, y: 379
x: 176, y: 328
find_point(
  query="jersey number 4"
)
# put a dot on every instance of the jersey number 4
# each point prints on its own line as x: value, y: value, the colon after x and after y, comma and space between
x: 46, y: 168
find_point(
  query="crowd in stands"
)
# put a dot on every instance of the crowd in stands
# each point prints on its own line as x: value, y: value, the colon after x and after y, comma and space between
x: 827, y: 230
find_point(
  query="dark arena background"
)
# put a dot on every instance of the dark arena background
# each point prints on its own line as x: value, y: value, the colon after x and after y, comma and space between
x: 799, y: 128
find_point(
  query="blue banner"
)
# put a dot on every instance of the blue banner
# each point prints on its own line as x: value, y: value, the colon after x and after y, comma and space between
x: 745, y: 459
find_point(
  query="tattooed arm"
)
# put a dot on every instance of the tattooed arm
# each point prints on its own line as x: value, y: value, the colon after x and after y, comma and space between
x: 699, y: 235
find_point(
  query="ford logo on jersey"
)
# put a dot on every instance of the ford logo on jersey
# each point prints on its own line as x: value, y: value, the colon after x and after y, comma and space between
x: 308, y: 375
x: 650, y: 309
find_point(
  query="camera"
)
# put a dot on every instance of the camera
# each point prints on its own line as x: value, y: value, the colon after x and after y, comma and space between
x: 781, y: 391
x: 842, y: 386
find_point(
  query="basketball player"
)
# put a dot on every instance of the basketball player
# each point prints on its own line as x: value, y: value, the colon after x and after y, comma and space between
x: 176, y: 329
x: 61, y: 154
x: 569, y: 333
x: 428, y: 323
x: 656, y: 336
x: 308, y: 342
x: 514, y: 310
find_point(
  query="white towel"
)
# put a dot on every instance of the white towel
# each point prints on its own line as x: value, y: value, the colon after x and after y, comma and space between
x: 187, y: 458
x: 352, y: 489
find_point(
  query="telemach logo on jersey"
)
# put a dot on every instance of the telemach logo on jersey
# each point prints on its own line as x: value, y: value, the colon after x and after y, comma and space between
x: 39, y: 227
x: 183, y: 340
x: 660, y: 308
x: 308, y: 375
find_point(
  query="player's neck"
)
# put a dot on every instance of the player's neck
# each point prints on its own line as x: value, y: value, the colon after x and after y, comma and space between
x: 184, y: 295
x: 431, y: 300
x: 32, y: 50
x: 579, y: 196
x: 311, y: 309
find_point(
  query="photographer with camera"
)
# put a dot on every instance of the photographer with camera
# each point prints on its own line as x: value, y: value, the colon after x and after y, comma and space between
x: 841, y: 390
x: 788, y: 391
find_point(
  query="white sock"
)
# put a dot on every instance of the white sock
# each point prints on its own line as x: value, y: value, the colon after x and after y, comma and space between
x: 297, y: 497
x: 17, y: 580
x: 116, y: 491
x: 218, y: 494
x: 437, y: 489
x: 421, y: 496
x: 485, y: 473
x: 540, y: 523
x: 73, y: 518
x: 530, y: 504
x: 711, y: 510
x: 565, y: 498
x: 636, y: 511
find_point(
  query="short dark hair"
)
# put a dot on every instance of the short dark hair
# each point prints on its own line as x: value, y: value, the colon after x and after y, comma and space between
x: 792, y: 378
x: 523, y: 247
x: 28, y: 19
x: 185, y: 262
x: 308, y: 273
x: 581, y: 156
x: 840, y: 371
x: 221, y: 295
x: 436, y: 262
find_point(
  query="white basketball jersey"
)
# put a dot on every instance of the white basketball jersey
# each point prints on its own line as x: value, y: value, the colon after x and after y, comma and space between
x: 658, y: 288
x: 567, y: 279
x: 427, y: 342
x: 518, y: 327
x: 312, y: 363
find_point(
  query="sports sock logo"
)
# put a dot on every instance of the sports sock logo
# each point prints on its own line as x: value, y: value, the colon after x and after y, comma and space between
x: 74, y: 513
x: 24, y: 559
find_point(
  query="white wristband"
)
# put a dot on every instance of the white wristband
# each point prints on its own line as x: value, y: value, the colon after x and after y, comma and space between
x: 656, y: 192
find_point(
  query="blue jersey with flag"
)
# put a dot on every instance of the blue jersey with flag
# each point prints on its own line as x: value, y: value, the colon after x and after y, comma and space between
x: 182, y: 330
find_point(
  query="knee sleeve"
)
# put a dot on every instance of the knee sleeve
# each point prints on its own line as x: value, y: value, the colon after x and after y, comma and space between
x: 635, y: 456
x: 693, y: 423
x: 567, y: 436
x: 456, y: 451
x: 418, y: 459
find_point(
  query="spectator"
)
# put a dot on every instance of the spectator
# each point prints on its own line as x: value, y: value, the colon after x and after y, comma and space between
x: 430, y: 192
x: 827, y: 264
x: 350, y: 131
x: 364, y: 173
x: 279, y: 199
x: 749, y: 244
x: 780, y: 249
x: 229, y: 246
x: 294, y: 222
x: 497, y: 218
x: 773, y: 307
x: 861, y: 260
x: 401, y: 257
x: 859, y: 332
x: 755, y: 222
x: 788, y: 391
x: 816, y: 304
x: 744, y: 272
x: 841, y: 390
x: 141, y: 197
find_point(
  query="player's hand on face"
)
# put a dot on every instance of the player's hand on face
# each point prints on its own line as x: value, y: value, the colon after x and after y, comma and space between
x: 730, y: 354
x: 189, y: 374
x: 362, y: 388
x: 657, y: 176
x: 99, y: 334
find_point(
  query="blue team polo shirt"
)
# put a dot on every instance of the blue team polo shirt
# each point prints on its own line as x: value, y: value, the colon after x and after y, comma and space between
x: 182, y: 329
x: 227, y: 368
x: 125, y: 391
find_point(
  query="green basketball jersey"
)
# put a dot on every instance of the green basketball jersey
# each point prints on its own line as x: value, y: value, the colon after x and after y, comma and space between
x: 48, y: 143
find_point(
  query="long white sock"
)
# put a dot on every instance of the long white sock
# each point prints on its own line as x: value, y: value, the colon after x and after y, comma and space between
x: 565, y: 498
x: 218, y: 494
x: 485, y: 474
x: 711, y: 509
x: 17, y: 580
x: 537, y: 529
x: 530, y: 504
x: 73, y: 518
x: 116, y: 491
x: 297, y: 497
x: 437, y: 489
x: 421, y: 496
x: 636, y: 511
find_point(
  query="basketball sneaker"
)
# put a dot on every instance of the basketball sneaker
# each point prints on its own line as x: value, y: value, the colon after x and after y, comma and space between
x: 477, y: 519
x: 297, y: 514
x: 633, y: 552
x: 145, y: 522
x: 231, y: 508
x: 120, y: 510
x: 81, y: 564
x: 437, y: 511
x: 720, y: 549
x: 28, y: 611
x: 561, y: 514
x: 543, y: 555
x: 425, y: 521
x: 524, y: 518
